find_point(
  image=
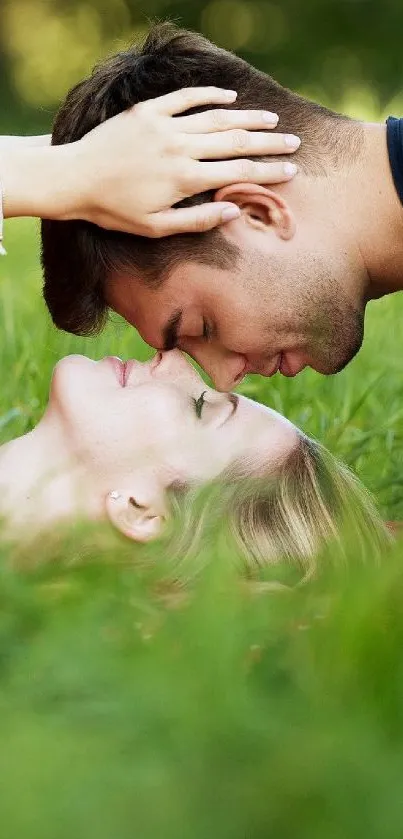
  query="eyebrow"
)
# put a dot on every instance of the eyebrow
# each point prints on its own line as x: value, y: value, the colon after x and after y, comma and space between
x: 170, y: 330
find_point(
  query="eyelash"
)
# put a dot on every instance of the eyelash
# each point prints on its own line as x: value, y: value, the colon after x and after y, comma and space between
x: 198, y: 404
x: 207, y: 331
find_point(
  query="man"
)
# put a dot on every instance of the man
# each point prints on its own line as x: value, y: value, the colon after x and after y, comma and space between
x: 283, y: 286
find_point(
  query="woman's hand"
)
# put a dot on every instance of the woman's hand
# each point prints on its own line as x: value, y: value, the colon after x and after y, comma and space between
x: 156, y: 162
x: 128, y: 172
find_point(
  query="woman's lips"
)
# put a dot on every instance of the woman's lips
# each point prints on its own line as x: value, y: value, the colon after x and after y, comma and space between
x: 123, y: 369
x: 118, y: 367
x: 127, y: 368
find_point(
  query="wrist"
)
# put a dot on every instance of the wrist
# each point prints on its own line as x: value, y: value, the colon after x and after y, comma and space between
x: 39, y: 181
x: 11, y: 141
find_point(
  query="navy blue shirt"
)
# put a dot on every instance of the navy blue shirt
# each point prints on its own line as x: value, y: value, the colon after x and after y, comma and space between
x: 394, y: 132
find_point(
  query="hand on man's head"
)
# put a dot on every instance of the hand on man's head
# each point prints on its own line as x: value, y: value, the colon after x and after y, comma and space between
x: 150, y: 159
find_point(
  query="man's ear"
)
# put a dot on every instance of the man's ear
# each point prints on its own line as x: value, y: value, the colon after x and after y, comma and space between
x: 261, y: 207
x: 139, y: 517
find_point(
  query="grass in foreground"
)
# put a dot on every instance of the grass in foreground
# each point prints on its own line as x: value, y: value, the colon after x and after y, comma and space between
x: 126, y: 713
x: 224, y: 715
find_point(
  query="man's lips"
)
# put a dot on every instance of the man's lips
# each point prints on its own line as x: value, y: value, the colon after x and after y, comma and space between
x: 277, y: 364
x: 262, y: 371
x: 291, y: 365
x: 285, y: 363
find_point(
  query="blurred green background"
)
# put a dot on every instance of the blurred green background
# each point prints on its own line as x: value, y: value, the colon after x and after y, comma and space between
x: 345, y: 52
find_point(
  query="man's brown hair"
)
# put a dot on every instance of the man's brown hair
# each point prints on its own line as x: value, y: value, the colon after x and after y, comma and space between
x: 77, y: 256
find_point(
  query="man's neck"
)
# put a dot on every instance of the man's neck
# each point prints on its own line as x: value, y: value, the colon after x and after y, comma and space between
x: 359, y: 201
x: 377, y: 214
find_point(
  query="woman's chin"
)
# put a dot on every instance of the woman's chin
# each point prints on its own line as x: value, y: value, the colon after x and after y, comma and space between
x: 70, y: 380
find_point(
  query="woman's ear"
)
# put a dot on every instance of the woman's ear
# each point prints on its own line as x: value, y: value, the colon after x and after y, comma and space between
x: 138, y: 518
x: 261, y: 208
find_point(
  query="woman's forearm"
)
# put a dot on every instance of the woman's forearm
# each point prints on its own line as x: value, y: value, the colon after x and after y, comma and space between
x: 12, y: 142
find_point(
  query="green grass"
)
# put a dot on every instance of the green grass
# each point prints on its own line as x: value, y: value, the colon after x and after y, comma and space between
x: 229, y: 716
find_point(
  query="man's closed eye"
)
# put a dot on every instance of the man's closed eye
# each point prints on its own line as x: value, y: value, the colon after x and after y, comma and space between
x: 208, y: 330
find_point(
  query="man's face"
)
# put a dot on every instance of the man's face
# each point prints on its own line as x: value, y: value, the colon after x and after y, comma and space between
x: 283, y: 307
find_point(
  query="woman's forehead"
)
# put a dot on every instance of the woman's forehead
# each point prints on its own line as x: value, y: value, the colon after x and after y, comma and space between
x: 265, y: 429
x: 256, y: 410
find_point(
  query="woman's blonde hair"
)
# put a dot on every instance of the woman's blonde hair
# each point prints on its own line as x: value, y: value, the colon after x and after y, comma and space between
x: 266, y: 518
x: 286, y: 517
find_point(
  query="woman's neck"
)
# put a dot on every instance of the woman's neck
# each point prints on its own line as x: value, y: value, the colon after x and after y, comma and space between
x: 39, y: 480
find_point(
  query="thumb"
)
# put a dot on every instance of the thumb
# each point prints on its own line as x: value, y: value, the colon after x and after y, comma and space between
x: 192, y: 219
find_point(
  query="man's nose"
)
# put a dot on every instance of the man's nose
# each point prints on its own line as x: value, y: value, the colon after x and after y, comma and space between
x: 225, y: 368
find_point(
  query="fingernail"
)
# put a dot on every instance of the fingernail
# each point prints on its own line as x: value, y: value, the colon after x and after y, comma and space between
x: 231, y: 95
x: 292, y: 141
x: 290, y: 168
x: 230, y: 213
x: 267, y: 116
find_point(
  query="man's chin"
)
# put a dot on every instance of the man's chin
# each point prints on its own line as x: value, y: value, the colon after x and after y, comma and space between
x: 334, y: 365
x: 292, y: 364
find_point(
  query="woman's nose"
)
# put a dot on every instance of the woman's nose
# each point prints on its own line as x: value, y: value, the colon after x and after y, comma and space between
x: 173, y: 365
x: 225, y: 368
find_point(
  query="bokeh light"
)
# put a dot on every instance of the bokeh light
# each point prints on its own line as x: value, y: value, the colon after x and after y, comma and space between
x: 346, y: 54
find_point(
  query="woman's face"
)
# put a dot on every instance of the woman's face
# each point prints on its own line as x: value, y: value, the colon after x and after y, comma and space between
x: 137, y: 429
x: 161, y: 418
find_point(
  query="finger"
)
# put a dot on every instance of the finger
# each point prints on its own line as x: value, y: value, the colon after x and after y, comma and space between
x: 214, y: 175
x: 191, y: 219
x: 222, y: 119
x: 240, y: 143
x: 191, y: 97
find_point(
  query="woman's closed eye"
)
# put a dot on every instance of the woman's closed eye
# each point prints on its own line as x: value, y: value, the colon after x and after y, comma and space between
x: 198, y: 403
x: 222, y: 410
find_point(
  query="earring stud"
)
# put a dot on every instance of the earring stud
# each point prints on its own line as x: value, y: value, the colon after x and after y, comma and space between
x: 114, y: 495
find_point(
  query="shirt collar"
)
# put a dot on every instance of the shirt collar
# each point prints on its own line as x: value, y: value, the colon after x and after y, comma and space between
x: 394, y: 133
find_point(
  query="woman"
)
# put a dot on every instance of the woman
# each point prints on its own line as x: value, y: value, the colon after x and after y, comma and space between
x: 132, y: 443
